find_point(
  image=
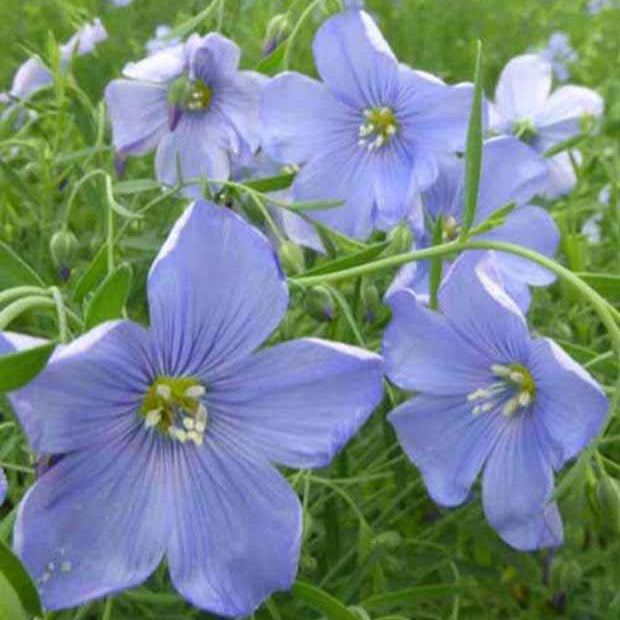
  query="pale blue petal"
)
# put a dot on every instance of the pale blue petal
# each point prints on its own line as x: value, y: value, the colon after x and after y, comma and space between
x: 237, y: 529
x: 297, y: 403
x: 570, y: 404
x: 215, y: 292
x: 214, y: 59
x: 447, y: 442
x: 161, y: 67
x: 562, y: 175
x: 98, y: 521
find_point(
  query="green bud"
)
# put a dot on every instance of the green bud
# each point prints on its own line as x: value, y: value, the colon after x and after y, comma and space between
x: 277, y: 31
x: 63, y: 247
x: 400, y: 240
x: 319, y: 304
x: 390, y: 539
x: 179, y: 92
x: 608, y: 497
x: 371, y: 302
x: 291, y: 257
x: 565, y: 574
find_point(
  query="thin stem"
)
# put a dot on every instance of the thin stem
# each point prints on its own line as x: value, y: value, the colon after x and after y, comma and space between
x: 63, y: 332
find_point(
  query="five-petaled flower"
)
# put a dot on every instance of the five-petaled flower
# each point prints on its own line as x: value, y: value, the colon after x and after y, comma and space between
x: 490, y: 397
x: 524, y: 106
x: 511, y: 172
x: 169, y: 433
x: 190, y: 102
x: 369, y: 135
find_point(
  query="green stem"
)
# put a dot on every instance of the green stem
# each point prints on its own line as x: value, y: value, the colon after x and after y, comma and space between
x: 63, y: 332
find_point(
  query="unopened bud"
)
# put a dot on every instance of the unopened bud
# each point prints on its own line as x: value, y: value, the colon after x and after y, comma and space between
x: 400, y: 240
x: 63, y: 247
x: 565, y: 574
x: 277, y: 31
x: 319, y: 304
x: 371, y: 302
x: 608, y: 497
x: 291, y: 257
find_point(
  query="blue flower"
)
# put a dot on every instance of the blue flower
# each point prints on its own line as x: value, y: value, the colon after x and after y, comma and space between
x: 161, y: 40
x: 369, y: 134
x: 491, y: 398
x: 33, y: 75
x: 190, y: 102
x: 511, y: 172
x: 10, y: 343
x: 169, y: 433
x: 524, y: 106
x: 560, y: 54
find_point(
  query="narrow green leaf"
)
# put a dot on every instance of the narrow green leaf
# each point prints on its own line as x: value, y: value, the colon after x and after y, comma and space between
x: 473, y: 151
x: 19, y: 582
x: 607, y: 284
x: 436, y: 264
x: 274, y: 63
x: 110, y: 297
x: 94, y: 273
x: 14, y: 271
x: 358, y: 258
x: 19, y: 368
x: 271, y: 184
x: 404, y: 598
x: 323, y: 602
x: 314, y: 205
x: 135, y: 186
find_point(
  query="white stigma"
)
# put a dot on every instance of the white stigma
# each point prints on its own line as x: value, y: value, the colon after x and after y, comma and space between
x: 195, y: 391
x: 164, y: 391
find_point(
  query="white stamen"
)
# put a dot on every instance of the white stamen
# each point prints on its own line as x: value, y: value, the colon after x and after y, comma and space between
x: 524, y: 398
x: 164, y: 391
x: 195, y: 391
x: 500, y: 371
x: 188, y: 423
x: 200, y: 427
x: 510, y: 407
x: 153, y: 418
x: 390, y: 130
x: 201, y: 414
x: 517, y: 377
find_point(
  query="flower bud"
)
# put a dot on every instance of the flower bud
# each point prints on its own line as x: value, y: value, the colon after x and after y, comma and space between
x: 370, y: 301
x: 565, y: 574
x: 63, y: 247
x: 400, y: 240
x: 319, y: 304
x: 291, y: 257
x: 608, y: 497
x: 278, y: 30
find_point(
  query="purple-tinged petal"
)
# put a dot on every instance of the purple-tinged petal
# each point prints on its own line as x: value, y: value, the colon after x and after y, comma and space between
x: 91, y: 388
x: 4, y: 486
x: 299, y: 402
x: 199, y: 146
x: 31, y: 76
x: 523, y: 87
x: 562, y: 175
x: 301, y: 119
x: 483, y: 314
x: 161, y: 67
x: 213, y: 59
x: 296, y: 228
x: 431, y: 113
x: 237, y: 529
x: 139, y: 115
x: 446, y: 441
x: 98, y: 521
x: 511, y: 171
x: 517, y: 485
x: 345, y: 175
x: 238, y: 100
x: 11, y: 342
x: 355, y: 61
x: 570, y: 404
x: 215, y: 292
x: 445, y: 196
x: 415, y: 277
x: 423, y: 352
x: 533, y: 228
x: 560, y: 118
x: 84, y: 40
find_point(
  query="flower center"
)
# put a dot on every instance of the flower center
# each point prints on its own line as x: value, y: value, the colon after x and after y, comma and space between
x: 186, y: 94
x: 514, y: 391
x: 200, y: 96
x: 173, y: 406
x: 378, y: 127
x: 450, y: 228
x: 525, y: 130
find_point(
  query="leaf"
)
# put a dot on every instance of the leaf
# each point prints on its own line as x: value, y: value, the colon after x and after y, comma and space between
x: 271, y: 184
x: 358, y: 258
x: 274, y: 63
x: 19, y: 368
x: 94, y: 273
x: 607, y: 284
x: 17, y: 580
x: 136, y: 186
x: 314, y: 205
x: 110, y: 297
x: 323, y: 602
x: 14, y: 271
x: 404, y: 598
x: 473, y: 150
